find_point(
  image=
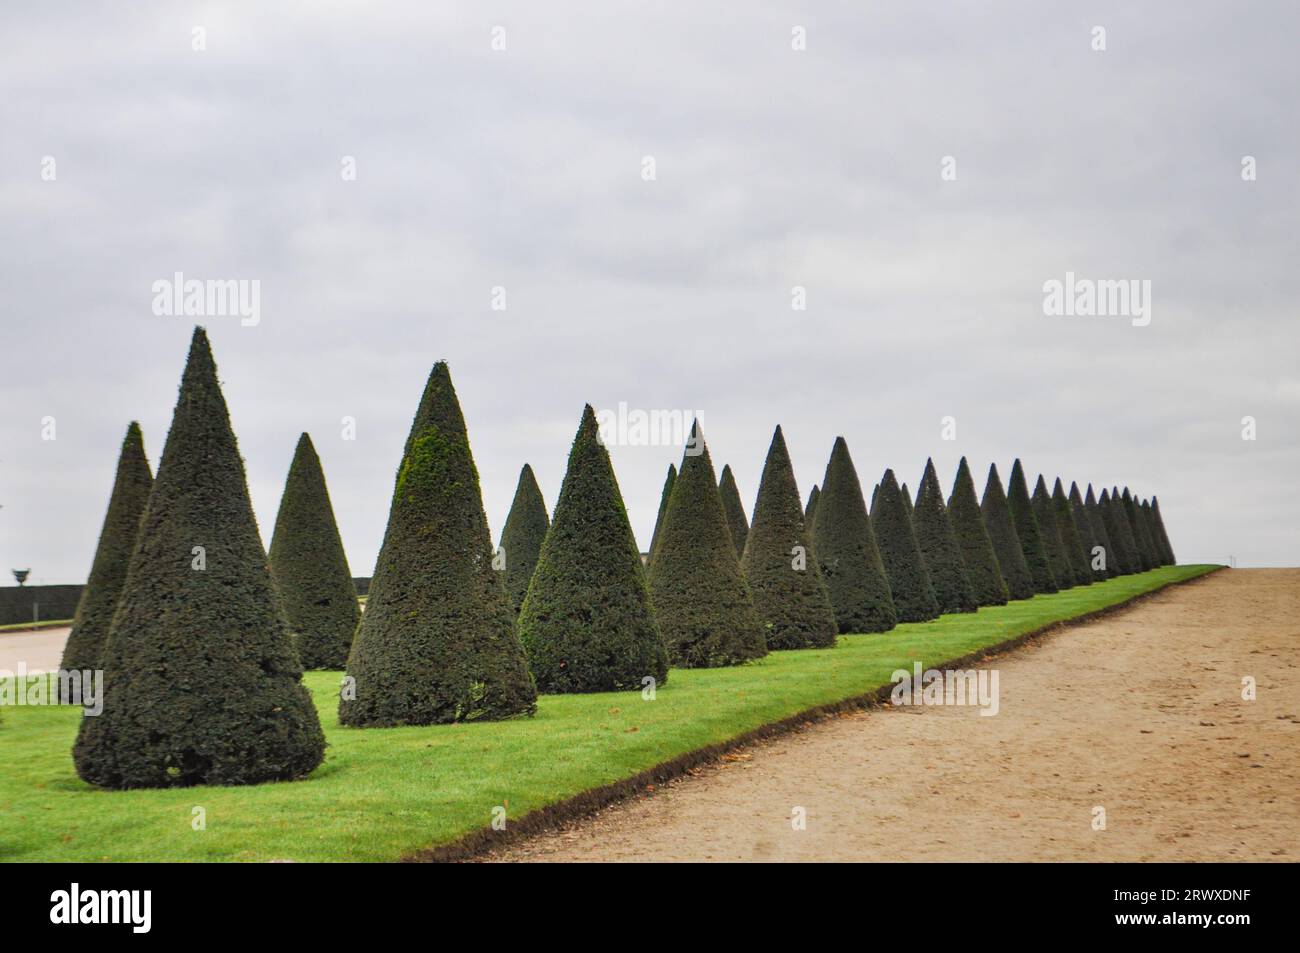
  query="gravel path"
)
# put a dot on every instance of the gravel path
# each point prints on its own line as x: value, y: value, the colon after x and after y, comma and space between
x: 1139, y: 713
x: 40, y: 649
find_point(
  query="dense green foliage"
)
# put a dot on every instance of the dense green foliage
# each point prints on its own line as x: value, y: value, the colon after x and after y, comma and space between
x: 981, y: 563
x: 810, y: 510
x: 790, y: 598
x: 1006, y: 544
x: 310, y: 567
x: 1086, y: 533
x: 698, y: 590
x: 586, y: 623
x: 1120, y: 533
x: 202, y: 684
x: 664, y: 496
x: 1028, y: 532
x: 1158, y: 527
x: 1101, y: 533
x: 437, y: 641
x: 1050, y: 531
x: 1147, y: 554
x: 939, y: 548
x: 734, y: 509
x: 117, y: 538
x: 846, y: 551
x: 521, y: 537
x: 909, y: 581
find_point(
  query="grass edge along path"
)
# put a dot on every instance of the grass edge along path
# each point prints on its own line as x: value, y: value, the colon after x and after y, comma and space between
x: 431, y: 792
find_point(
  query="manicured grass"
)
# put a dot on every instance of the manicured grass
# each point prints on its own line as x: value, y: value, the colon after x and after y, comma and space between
x: 33, y: 626
x: 383, y: 793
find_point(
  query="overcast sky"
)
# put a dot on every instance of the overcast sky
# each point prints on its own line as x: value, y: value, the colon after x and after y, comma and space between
x: 774, y: 167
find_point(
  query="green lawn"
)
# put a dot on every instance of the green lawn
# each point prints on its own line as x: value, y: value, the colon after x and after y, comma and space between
x: 383, y: 793
x: 30, y: 626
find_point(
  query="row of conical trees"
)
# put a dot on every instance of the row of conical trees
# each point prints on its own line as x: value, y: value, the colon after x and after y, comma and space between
x: 203, y: 638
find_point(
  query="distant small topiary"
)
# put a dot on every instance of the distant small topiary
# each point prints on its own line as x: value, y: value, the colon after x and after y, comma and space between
x: 1119, y: 533
x: 1088, y: 540
x: 909, y: 581
x: 846, y: 550
x: 1074, y: 552
x: 1006, y: 544
x: 1145, y: 546
x: 1053, y: 542
x: 521, y: 537
x: 1143, y: 511
x: 310, y: 567
x: 938, y: 545
x: 586, y: 623
x: 1027, y: 531
x: 734, y: 509
x: 698, y: 590
x: 437, y: 641
x: 201, y: 681
x: 1158, y: 525
x: 790, y: 598
x: 978, y: 557
x: 1101, y: 533
x: 117, y: 538
x: 810, y: 510
x: 664, y: 496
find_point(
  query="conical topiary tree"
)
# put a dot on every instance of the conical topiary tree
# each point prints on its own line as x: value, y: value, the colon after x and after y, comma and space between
x: 701, y: 600
x: 664, y: 496
x: 845, y: 546
x: 1027, y: 531
x: 1143, y: 511
x: 909, y: 581
x: 437, y: 641
x: 939, y: 549
x: 1077, y: 531
x: 202, y: 684
x: 1088, y: 540
x: 1158, y: 524
x: 1006, y: 544
x: 310, y: 567
x: 1145, y: 547
x: 907, y: 500
x: 810, y: 510
x: 1053, y: 543
x: 790, y: 598
x: 1100, y: 532
x: 1119, y: 533
x: 117, y: 538
x: 734, y: 509
x: 981, y: 563
x: 586, y: 623
x: 521, y: 537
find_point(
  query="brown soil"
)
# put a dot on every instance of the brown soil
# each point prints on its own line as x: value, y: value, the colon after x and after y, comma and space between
x: 1139, y: 713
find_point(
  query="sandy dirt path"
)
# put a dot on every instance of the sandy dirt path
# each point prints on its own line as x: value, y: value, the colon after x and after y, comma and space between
x: 1140, y: 713
x: 40, y: 650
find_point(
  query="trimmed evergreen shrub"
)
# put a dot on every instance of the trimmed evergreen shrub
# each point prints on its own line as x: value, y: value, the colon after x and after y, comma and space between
x: 202, y: 684
x: 938, y: 545
x: 1102, y: 534
x: 734, y: 509
x: 437, y: 641
x: 1053, y: 543
x: 810, y: 510
x: 909, y: 581
x: 907, y: 499
x: 1145, y: 547
x: 981, y: 563
x: 1128, y: 530
x: 1070, y: 538
x: 1158, y: 524
x: 698, y: 590
x: 586, y: 623
x: 1027, y: 531
x: 1002, y: 534
x: 847, y: 555
x: 309, y: 566
x: 521, y: 537
x: 117, y: 538
x: 1088, y: 539
x: 1120, y: 534
x: 1143, y: 510
x: 790, y: 598
x: 669, y: 480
